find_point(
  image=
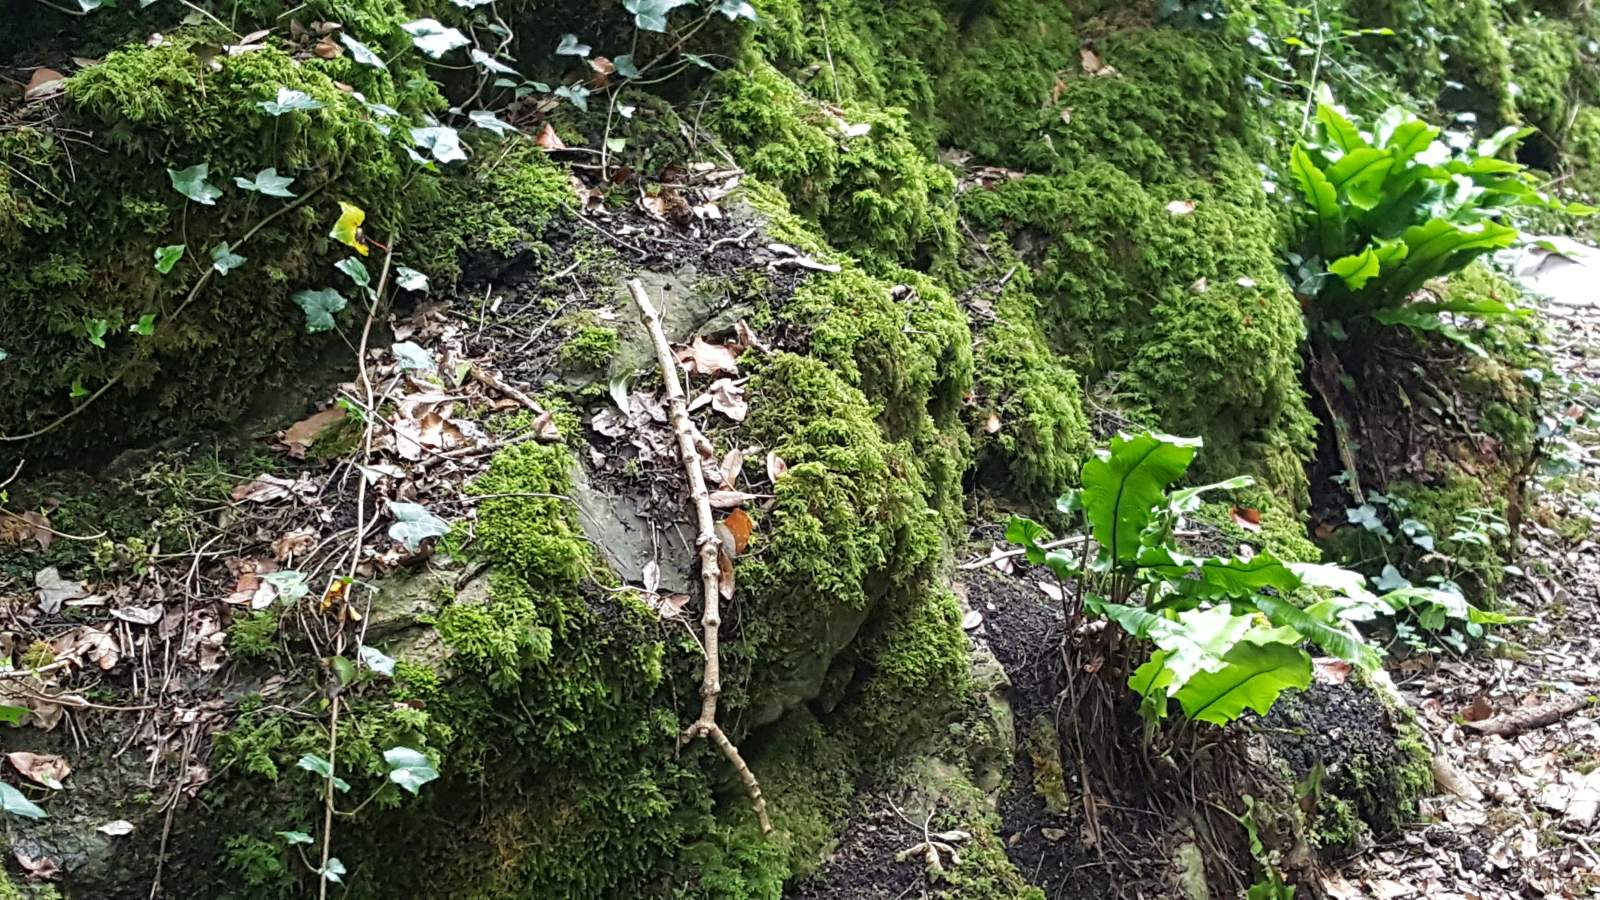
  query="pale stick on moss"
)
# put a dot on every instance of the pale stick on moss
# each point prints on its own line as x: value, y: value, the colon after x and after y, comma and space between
x: 710, y: 568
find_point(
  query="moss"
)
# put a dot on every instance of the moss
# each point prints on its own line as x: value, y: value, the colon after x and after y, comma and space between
x: 1280, y: 531
x: 1448, y: 50
x: 1455, y: 505
x: 590, y: 347
x: 534, y: 538
x: 914, y: 675
x: 173, y: 106
x: 875, y: 192
x: 500, y: 208
x: 1044, y: 750
x: 1027, y: 408
x: 1187, y: 316
x: 254, y: 636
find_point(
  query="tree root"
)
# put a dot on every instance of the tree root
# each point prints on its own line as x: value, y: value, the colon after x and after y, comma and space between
x: 710, y: 569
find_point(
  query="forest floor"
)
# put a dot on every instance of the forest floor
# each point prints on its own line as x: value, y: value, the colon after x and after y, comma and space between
x: 1516, y: 815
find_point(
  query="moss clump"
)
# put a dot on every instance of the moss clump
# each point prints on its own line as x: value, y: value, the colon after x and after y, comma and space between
x: 590, y: 347
x: 254, y: 636
x: 1449, y: 50
x: 498, y: 210
x: 77, y: 244
x: 1027, y: 413
x: 1280, y: 531
x: 1044, y: 751
x: 1185, y: 316
x: 875, y: 193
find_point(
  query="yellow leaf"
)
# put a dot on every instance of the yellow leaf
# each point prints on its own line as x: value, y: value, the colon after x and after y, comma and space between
x: 348, y: 229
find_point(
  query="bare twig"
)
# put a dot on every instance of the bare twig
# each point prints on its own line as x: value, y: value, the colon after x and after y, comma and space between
x: 490, y: 380
x: 710, y: 566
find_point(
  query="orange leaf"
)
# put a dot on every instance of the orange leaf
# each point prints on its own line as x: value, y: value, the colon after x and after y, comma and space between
x: 740, y: 525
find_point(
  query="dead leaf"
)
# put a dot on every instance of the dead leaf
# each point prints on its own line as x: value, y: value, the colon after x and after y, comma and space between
x: 732, y: 463
x: 296, y: 542
x: 775, y: 466
x: 602, y: 66
x: 545, y: 430
x: 740, y: 526
x: 39, y: 868
x: 1200, y: 286
x: 703, y: 358
x: 302, y: 434
x: 41, y: 768
x: 139, y: 615
x: 652, y: 576
x: 44, y: 83
x: 992, y: 426
x: 116, y: 828
x: 264, y: 489
x: 26, y: 527
x: 746, y: 337
x: 1092, y: 64
x: 971, y: 620
x: 55, y: 590
x: 1181, y: 207
x: 1246, y: 518
x: 733, y: 499
x: 1479, y: 709
x: 1329, y: 670
x: 728, y: 398
x: 326, y: 49
x: 547, y: 139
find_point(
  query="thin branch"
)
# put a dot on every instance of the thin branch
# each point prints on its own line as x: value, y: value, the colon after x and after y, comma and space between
x: 710, y: 567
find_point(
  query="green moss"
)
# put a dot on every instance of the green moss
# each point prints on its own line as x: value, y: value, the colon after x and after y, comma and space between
x: 1044, y: 750
x: 590, y: 347
x: 501, y: 207
x: 875, y: 193
x: 1449, y: 50
x: 154, y: 108
x: 254, y: 636
x: 1280, y: 531
x: 534, y: 538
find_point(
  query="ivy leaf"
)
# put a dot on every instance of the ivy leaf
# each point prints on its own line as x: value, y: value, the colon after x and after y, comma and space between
x: 224, y: 260
x: 413, y: 357
x: 360, y: 52
x: 490, y: 64
x: 377, y: 660
x: 290, y: 585
x: 12, y: 801
x: 700, y: 61
x: 332, y: 870
x: 267, y: 181
x: 414, y: 524
x: 410, y: 279
x: 289, y: 100
x: 316, y: 764
x: 356, y: 270
x: 146, y: 325
x: 96, y: 330
x: 77, y: 391
x: 343, y: 669
x: 577, y: 94
x: 625, y: 66
x: 736, y: 9
x: 295, y: 837
x: 651, y: 15
x: 347, y: 230
x: 167, y: 257
x: 320, y: 307
x: 433, y: 38
x: 12, y: 715
x: 191, y: 183
x: 1253, y: 677
x: 569, y: 46
x: 441, y: 141
x: 409, y: 768
x: 490, y: 122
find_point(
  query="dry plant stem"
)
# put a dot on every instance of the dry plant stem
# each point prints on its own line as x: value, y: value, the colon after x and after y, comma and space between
x: 710, y: 568
x: 483, y: 375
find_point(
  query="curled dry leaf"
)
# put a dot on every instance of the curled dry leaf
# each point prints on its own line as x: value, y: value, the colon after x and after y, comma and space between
x: 116, y: 828
x: 28, y: 527
x: 547, y: 139
x: 296, y: 542
x: 992, y: 426
x: 1329, y: 670
x: 41, y: 768
x: 44, y: 83
x: 53, y: 590
x: 39, y: 868
x: 703, y: 358
x: 728, y: 398
x: 1247, y: 518
x: 731, y: 465
x: 1181, y: 207
x: 545, y: 430
x: 733, y: 499
x: 139, y: 615
x: 268, y: 489
x: 775, y: 466
x: 1092, y: 65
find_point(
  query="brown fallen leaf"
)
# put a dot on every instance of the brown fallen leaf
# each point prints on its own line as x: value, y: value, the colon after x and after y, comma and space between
x: 302, y: 434
x: 731, y: 465
x: 295, y: 542
x: 703, y: 358
x: 544, y: 427
x: 44, y: 83
x: 1330, y: 670
x: 992, y: 426
x: 264, y: 489
x: 53, y: 590
x: 40, y: 768
x: 728, y: 398
x: 25, y: 528
x: 39, y: 868
x: 1529, y: 718
x: 1246, y: 518
x: 547, y: 139
x: 733, y: 499
x: 1479, y: 709
x: 740, y: 526
x: 1092, y: 65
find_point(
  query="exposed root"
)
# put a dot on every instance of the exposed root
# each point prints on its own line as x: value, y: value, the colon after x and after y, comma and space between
x: 710, y: 569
